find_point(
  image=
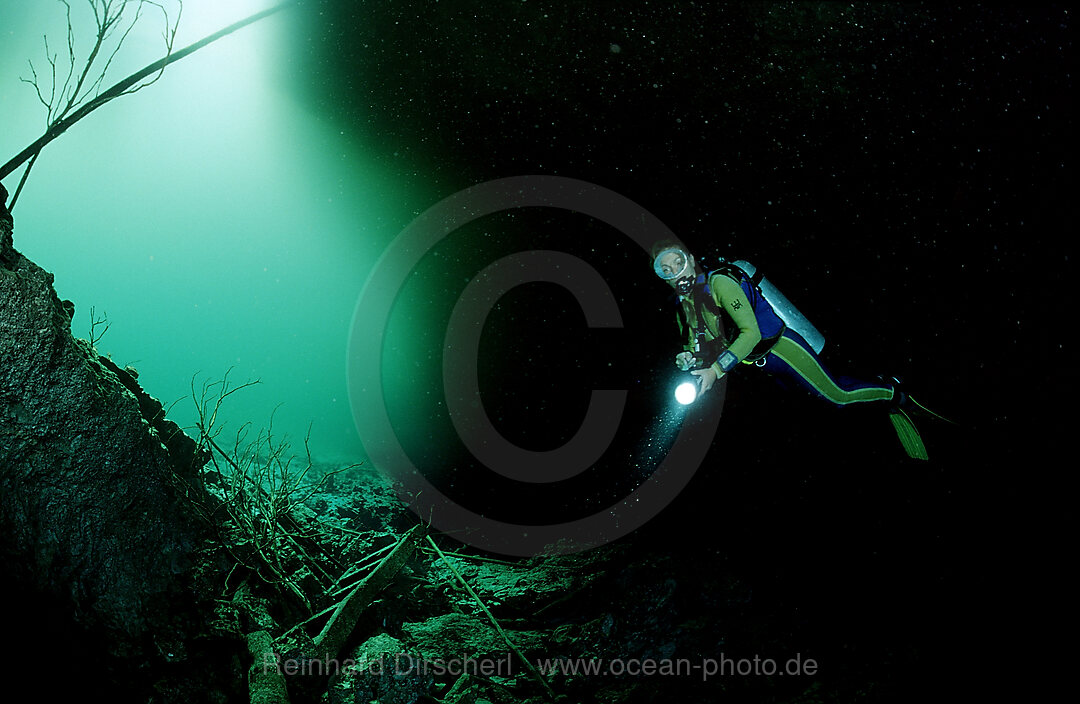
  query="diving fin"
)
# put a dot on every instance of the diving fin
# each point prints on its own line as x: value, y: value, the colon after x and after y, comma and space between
x: 902, y: 399
x: 919, y: 407
x: 908, y: 435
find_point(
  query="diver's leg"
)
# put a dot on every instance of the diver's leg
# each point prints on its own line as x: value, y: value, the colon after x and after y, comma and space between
x: 791, y: 357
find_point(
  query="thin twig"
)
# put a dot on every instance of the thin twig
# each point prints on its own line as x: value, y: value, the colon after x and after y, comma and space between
x: 95, y: 324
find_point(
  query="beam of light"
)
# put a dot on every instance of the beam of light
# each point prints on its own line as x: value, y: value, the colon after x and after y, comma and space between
x: 227, y: 224
x: 203, y: 17
x: 656, y: 442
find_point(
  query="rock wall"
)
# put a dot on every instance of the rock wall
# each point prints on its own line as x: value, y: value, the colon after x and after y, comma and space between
x: 93, y: 513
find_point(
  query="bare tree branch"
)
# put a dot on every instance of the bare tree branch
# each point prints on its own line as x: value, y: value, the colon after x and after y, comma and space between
x: 107, y: 15
x: 98, y: 327
x: 64, y: 99
x: 260, y: 485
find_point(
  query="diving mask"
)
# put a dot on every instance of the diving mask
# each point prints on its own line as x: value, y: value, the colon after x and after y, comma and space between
x: 675, y: 264
x: 672, y: 263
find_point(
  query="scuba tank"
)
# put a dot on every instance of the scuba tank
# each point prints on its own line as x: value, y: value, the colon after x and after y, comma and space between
x: 783, y: 307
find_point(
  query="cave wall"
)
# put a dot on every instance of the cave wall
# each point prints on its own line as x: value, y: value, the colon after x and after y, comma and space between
x: 93, y: 479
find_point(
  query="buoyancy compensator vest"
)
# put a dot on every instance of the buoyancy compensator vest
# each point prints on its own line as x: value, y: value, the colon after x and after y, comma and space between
x: 772, y: 309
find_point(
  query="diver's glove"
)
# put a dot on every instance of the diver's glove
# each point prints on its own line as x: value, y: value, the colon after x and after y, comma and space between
x: 686, y: 361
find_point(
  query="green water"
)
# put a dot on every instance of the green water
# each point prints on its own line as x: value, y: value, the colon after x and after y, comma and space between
x: 215, y: 219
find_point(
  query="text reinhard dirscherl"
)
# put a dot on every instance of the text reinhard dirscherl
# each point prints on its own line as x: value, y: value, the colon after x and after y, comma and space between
x: 405, y: 664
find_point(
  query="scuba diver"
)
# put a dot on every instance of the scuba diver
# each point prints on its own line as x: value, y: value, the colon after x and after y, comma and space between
x: 732, y: 316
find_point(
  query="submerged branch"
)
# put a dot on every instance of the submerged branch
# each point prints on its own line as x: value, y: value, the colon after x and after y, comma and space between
x: 126, y: 84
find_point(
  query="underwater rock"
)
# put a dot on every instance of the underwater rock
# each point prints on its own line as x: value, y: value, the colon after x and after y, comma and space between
x: 465, y: 637
x: 92, y: 479
x: 516, y: 591
x: 381, y: 670
x: 7, y: 250
x: 363, y: 500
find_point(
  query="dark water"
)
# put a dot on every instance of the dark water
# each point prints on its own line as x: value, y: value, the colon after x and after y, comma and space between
x: 901, y: 171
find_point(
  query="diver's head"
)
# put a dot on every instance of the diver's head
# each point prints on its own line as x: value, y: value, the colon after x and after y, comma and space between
x: 675, y: 265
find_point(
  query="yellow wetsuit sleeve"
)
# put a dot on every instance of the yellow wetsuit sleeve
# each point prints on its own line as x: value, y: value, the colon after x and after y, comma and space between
x: 729, y: 295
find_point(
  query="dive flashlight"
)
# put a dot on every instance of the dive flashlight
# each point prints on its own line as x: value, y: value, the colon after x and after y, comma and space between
x: 688, y: 388
x: 687, y: 391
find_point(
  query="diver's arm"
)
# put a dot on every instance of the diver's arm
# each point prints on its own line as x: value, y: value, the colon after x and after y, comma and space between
x: 686, y: 325
x: 685, y: 359
x: 729, y: 295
